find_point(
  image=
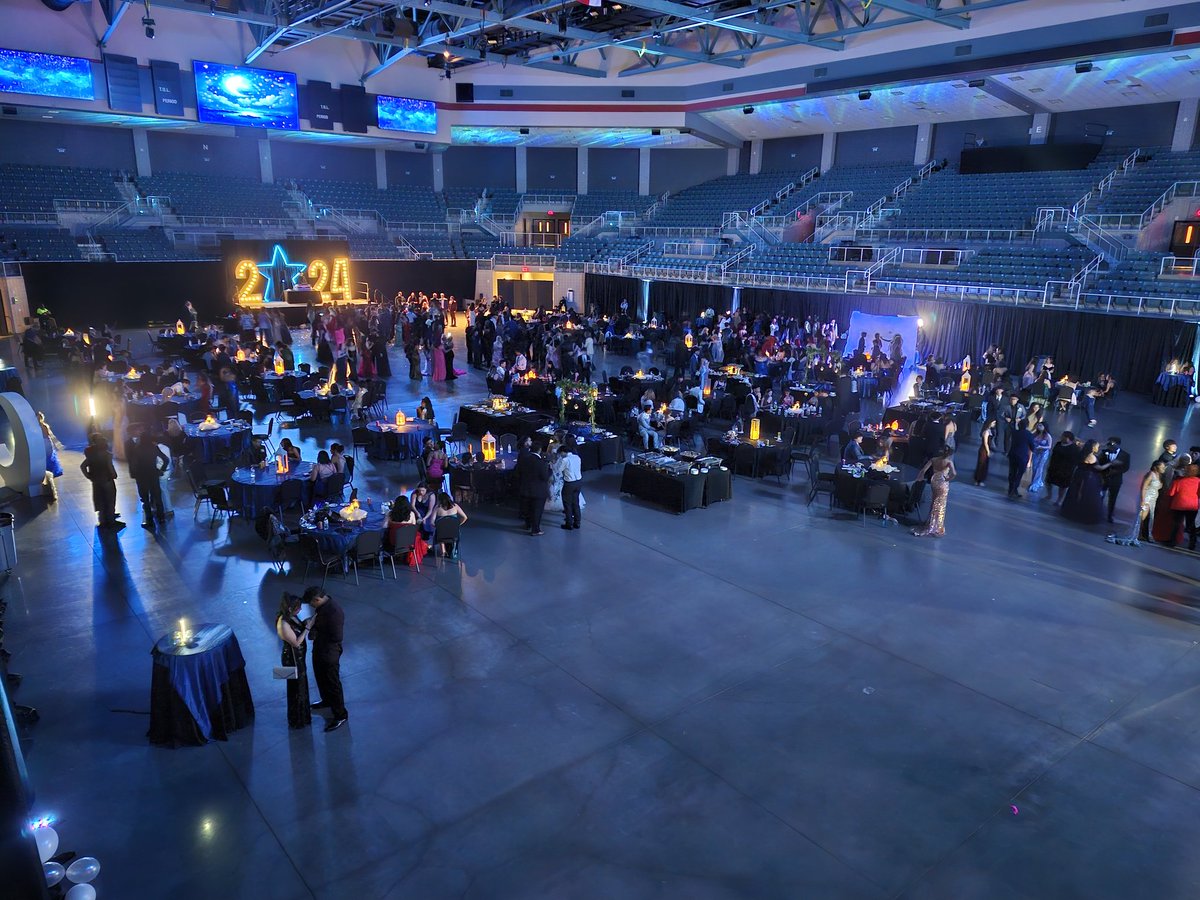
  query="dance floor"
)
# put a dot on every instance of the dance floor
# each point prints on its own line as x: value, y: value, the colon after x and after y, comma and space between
x: 756, y: 700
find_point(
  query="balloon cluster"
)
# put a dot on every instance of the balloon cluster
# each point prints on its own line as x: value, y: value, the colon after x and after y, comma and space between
x: 81, y: 871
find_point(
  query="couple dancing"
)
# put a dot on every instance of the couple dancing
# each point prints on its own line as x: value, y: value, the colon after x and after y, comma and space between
x: 324, y: 629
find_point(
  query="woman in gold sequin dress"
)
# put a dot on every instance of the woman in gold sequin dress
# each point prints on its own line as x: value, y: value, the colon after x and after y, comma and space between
x: 942, y: 472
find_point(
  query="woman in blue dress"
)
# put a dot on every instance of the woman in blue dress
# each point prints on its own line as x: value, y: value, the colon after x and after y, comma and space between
x: 1041, y: 457
x: 54, y: 468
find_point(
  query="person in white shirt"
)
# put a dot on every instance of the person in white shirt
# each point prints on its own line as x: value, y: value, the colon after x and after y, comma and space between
x: 650, y: 438
x: 698, y: 393
x: 677, y: 407
x: 572, y: 475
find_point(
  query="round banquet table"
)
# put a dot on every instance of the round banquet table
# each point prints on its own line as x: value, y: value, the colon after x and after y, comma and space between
x: 394, y: 441
x: 596, y: 447
x: 489, y: 480
x: 198, y: 693
x: 338, y: 539
x: 252, y: 490
x: 1171, y: 389
x: 152, y: 410
x: 227, y: 440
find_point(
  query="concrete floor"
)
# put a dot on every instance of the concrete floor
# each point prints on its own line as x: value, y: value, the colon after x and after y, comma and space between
x: 757, y: 700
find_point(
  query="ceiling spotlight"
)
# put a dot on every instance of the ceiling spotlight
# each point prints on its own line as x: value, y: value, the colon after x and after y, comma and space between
x: 976, y: 83
x: 1082, y: 68
x: 446, y: 54
x: 864, y: 95
x: 747, y: 110
x: 148, y: 22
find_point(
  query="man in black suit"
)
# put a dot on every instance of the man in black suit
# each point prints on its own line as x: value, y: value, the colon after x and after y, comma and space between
x: 533, y: 475
x: 326, y: 636
x: 147, y: 463
x: 1116, y: 462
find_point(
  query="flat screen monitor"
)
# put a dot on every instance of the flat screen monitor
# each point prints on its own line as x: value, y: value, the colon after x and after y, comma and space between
x: 46, y: 75
x: 406, y: 114
x: 236, y: 95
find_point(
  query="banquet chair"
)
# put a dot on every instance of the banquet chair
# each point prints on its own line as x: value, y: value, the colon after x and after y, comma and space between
x: 362, y: 437
x: 218, y: 501
x: 199, y: 483
x: 404, y: 542
x: 1062, y: 400
x: 875, y: 499
x: 330, y: 488
x: 266, y: 435
x: 779, y: 463
x: 290, y: 496
x: 461, y: 488
x: 819, y: 482
x: 350, y: 470
x: 458, y: 436
x: 367, y: 548
x: 446, y: 531
x: 339, y: 406
x: 311, y: 548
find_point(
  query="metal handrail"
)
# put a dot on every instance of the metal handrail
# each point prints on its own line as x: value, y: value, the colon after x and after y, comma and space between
x: 68, y: 204
x: 1136, y: 305
x: 1179, y: 267
x: 1136, y: 222
x: 956, y: 256
x: 16, y: 217
x: 966, y: 235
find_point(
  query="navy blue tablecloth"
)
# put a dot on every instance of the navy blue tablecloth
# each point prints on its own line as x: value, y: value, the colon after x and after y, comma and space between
x: 339, y: 539
x: 199, y: 692
x: 229, y: 440
x: 406, y: 441
x: 154, y: 409
x: 253, y: 490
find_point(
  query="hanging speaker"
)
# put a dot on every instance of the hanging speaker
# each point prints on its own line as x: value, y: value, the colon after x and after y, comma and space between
x: 464, y: 92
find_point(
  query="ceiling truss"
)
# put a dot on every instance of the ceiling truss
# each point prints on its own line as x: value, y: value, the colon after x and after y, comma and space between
x: 661, y: 34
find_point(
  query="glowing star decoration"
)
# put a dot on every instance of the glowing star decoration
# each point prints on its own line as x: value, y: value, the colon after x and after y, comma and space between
x: 278, y: 270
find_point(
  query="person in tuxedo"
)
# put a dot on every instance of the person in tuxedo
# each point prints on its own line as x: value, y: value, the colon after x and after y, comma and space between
x: 533, y: 476
x: 326, y: 636
x: 1116, y: 463
x: 1020, y: 451
x: 147, y: 463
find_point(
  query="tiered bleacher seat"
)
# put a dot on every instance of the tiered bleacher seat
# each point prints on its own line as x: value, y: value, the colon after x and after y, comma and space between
x: 1021, y: 266
x: 35, y: 188
x: 1137, y: 276
x: 31, y: 242
x: 373, y: 246
x: 137, y: 244
x: 435, y: 242
x: 999, y: 200
x: 588, y: 206
x: 210, y: 195
x: 703, y: 205
x: 405, y: 203
x: 792, y: 259
x: 503, y: 202
x: 867, y: 183
x: 480, y: 246
x: 1133, y: 193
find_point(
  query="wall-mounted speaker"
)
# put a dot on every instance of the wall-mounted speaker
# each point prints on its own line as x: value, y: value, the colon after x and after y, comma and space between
x: 464, y: 92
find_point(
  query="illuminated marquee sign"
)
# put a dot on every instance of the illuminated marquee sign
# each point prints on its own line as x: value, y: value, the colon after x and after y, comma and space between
x: 270, y: 277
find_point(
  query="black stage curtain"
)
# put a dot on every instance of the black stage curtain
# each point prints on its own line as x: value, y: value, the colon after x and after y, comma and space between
x: 674, y: 300
x: 129, y: 295
x: 603, y: 294
x: 1133, y: 349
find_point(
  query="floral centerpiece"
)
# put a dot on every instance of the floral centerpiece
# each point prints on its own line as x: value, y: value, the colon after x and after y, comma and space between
x: 579, y: 390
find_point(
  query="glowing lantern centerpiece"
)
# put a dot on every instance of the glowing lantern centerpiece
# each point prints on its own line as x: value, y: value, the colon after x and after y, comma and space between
x: 401, y: 419
x: 1173, y: 368
x: 489, y: 447
x: 279, y: 368
x: 210, y: 421
x: 281, y: 463
x: 755, y: 429
x: 687, y: 340
x: 132, y: 373
x: 68, y: 333
x: 640, y: 374
x: 241, y: 355
x: 87, y: 338
x: 499, y: 403
x: 179, y: 326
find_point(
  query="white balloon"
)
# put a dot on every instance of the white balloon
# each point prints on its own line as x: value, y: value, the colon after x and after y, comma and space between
x: 47, y: 842
x: 82, y: 892
x: 54, y: 873
x: 83, y: 869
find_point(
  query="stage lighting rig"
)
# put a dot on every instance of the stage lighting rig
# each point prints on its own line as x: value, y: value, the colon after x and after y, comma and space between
x: 148, y: 22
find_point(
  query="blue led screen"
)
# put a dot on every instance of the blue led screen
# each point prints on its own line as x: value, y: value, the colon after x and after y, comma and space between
x: 234, y: 95
x: 46, y: 75
x: 406, y: 114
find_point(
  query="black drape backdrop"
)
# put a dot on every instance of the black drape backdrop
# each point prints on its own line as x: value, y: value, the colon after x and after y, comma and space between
x: 603, y: 294
x: 678, y: 300
x: 1134, y: 350
x: 129, y: 295
x: 668, y: 299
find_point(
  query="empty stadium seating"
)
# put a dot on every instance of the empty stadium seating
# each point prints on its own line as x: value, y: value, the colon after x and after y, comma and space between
x: 589, y: 206
x: 793, y: 259
x: 866, y: 183
x: 1018, y: 266
x: 1137, y: 276
x: 704, y: 204
x: 138, y: 244
x: 229, y: 196
x: 1136, y: 191
x: 405, y: 203
x: 30, y: 242
x: 35, y: 188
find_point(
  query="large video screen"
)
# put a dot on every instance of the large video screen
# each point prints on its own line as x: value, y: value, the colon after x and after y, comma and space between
x: 299, y: 271
x: 46, y: 75
x: 406, y: 114
x: 235, y: 95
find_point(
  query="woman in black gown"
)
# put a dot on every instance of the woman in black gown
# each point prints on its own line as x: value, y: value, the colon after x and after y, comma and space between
x: 1083, y: 502
x: 294, y: 633
x: 1064, y: 457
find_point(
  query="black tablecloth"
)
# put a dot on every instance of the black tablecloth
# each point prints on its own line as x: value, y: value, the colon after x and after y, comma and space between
x: 1171, y: 390
x: 200, y: 693
x: 677, y: 492
x: 479, y: 422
